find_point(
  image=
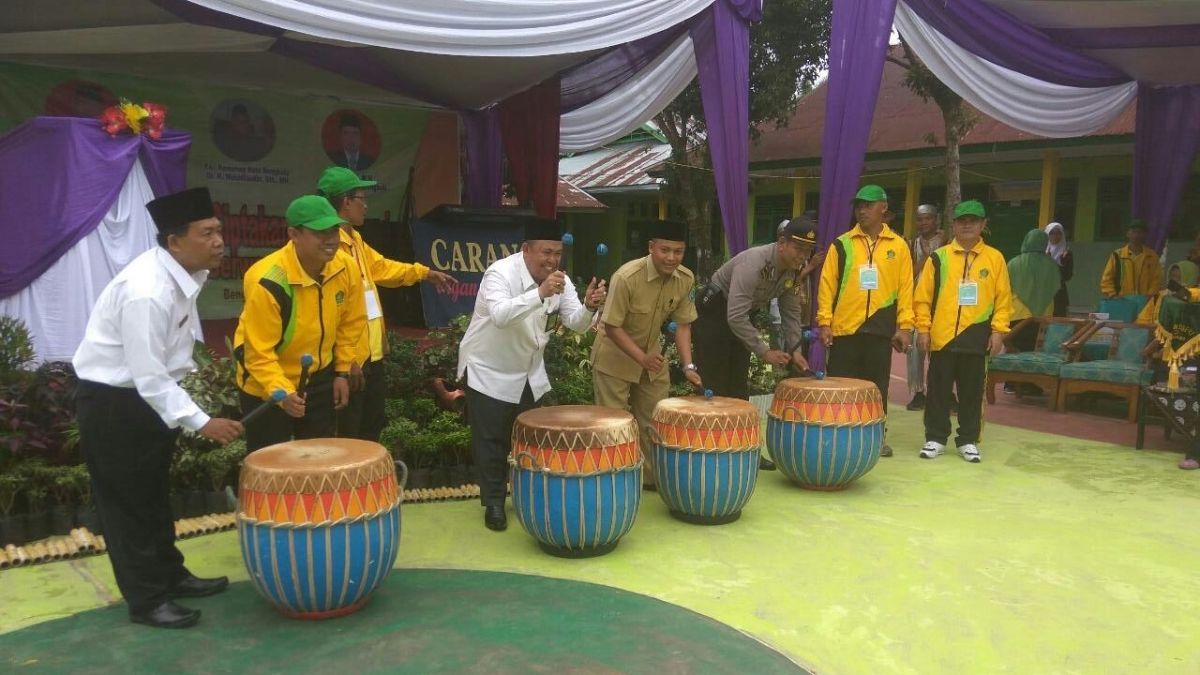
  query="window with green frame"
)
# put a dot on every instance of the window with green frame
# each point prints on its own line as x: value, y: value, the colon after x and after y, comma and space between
x: 769, y: 210
x: 1113, y: 207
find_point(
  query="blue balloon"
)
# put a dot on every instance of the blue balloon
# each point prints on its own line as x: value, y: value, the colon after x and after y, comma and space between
x: 672, y: 326
x: 601, y: 249
x: 708, y: 394
x: 808, y: 335
x: 568, y: 238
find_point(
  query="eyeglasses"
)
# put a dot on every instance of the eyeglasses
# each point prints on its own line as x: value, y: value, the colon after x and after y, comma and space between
x: 361, y: 198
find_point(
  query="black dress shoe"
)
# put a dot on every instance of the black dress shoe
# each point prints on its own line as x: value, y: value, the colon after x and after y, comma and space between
x: 494, y: 518
x: 765, y: 464
x: 194, y: 587
x: 167, y: 615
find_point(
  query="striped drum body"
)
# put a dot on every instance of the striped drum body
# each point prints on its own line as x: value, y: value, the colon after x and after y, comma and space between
x: 824, y: 434
x: 319, y: 524
x: 576, y: 477
x: 706, y: 457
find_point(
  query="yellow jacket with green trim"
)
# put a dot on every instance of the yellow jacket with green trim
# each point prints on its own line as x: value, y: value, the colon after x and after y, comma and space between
x: 287, y: 314
x: 376, y: 270
x: 844, y: 306
x: 963, y: 328
x: 1129, y: 274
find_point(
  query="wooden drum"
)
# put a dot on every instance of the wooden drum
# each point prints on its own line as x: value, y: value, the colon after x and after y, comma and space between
x: 576, y: 477
x: 706, y: 456
x: 824, y: 434
x: 319, y: 523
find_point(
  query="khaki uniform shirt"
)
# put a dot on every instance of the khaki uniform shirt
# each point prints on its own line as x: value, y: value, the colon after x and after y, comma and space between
x: 640, y: 300
x: 750, y: 280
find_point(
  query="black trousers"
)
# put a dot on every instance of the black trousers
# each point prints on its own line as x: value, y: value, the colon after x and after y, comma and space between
x: 364, y: 418
x: 276, y: 426
x: 721, y: 358
x: 947, y: 370
x: 128, y: 451
x: 863, y: 357
x: 491, y: 422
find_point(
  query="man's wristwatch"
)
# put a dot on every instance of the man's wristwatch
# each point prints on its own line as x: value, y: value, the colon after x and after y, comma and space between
x: 342, y: 375
x: 690, y: 366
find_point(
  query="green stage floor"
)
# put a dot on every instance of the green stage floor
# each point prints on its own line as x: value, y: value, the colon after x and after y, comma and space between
x: 1052, y: 556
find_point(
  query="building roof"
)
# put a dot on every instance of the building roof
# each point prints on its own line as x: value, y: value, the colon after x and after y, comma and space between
x: 615, y: 167
x: 902, y: 122
x: 570, y: 198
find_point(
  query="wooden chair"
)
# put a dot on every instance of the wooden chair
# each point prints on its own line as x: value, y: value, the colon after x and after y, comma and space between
x: 1038, y: 367
x: 1123, y: 373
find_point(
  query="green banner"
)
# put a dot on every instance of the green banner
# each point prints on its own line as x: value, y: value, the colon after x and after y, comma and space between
x: 256, y: 150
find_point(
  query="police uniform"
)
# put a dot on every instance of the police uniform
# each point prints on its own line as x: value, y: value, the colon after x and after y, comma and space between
x: 865, y: 296
x: 963, y: 296
x: 640, y: 300
x: 725, y: 336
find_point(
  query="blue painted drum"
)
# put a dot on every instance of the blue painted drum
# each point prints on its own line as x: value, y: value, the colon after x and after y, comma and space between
x: 319, y: 524
x: 576, y: 478
x: 706, y: 457
x: 825, y: 434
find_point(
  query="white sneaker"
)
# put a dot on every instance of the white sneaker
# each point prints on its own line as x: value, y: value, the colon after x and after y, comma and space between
x: 932, y: 449
x: 969, y: 452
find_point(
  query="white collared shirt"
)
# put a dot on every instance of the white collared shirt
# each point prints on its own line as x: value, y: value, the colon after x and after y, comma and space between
x: 504, y: 345
x: 141, y: 333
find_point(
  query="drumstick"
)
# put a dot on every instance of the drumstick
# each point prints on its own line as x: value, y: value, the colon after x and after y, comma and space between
x: 567, y: 240
x: 276, y: 396
x: 306, y: 361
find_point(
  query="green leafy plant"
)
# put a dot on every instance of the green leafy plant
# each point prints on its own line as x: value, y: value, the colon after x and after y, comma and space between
x: 440, y: 354
x: 219, y: 464
x: 213, y: 385
x: 16, y: 349
x: 404, y: 368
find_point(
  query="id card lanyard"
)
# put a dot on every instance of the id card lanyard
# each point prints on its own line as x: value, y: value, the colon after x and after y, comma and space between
x: 868, y: 274
x: 369, y: 296
x: 968, y: 290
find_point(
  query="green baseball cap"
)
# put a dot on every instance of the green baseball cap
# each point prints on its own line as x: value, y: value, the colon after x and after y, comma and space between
x: 971, y: 207
x: 313, y: 212
x: 871, y: 193
x: 338, y: 180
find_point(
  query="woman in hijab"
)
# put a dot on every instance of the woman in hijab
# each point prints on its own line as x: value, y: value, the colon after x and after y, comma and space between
x: 1035, y: 281
x: 1057, y: 248
x: 1183, y: 272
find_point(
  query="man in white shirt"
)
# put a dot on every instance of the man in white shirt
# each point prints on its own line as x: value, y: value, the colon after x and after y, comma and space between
x: 521, y: 300
x: 137, y: 347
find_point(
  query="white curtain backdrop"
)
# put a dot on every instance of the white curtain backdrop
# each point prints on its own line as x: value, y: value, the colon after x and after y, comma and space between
x: 627, y: 107
x: 470, y: 27
x: 1018, y: 100
x: 56, y: 306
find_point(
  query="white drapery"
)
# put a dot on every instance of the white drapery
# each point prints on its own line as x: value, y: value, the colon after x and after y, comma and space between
x: 56, y: 306
x: 504, y: 28
x: 1020, y: 101
x: 627, y: 107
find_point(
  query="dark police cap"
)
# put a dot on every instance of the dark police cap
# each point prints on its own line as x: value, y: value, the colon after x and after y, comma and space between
x: 671, y: 230
x: 543, y: 229
x: 801, y: 229
x: 173, y: 210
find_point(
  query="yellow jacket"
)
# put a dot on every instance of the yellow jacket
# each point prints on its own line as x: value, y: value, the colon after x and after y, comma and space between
x: 376, y: 270
x: 1129, y: 274
x: 844, y: 306
x: 963, y: 328
x: 288, y: 314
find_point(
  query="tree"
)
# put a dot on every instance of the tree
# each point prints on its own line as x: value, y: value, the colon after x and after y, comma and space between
x: 957, y: 118
x: 788, y: 51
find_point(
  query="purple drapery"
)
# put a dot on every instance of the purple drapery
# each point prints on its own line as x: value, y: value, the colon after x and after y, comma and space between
x: 596, y: 77
x: 722, y: 43
x: 67, y: 174
x: 484, y: 158
x: 1165, y: 145
x: 858, y: 42
x: 995, y: 35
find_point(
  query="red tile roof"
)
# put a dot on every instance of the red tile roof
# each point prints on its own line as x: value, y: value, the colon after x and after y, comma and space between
x: 570, y: 198
x: 902, y: 122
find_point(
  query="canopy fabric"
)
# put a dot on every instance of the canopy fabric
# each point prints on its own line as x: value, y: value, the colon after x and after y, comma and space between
x: 1019, y: 100
x: 55, y: 306
x: 511, y: 28
x: 69, y: 173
